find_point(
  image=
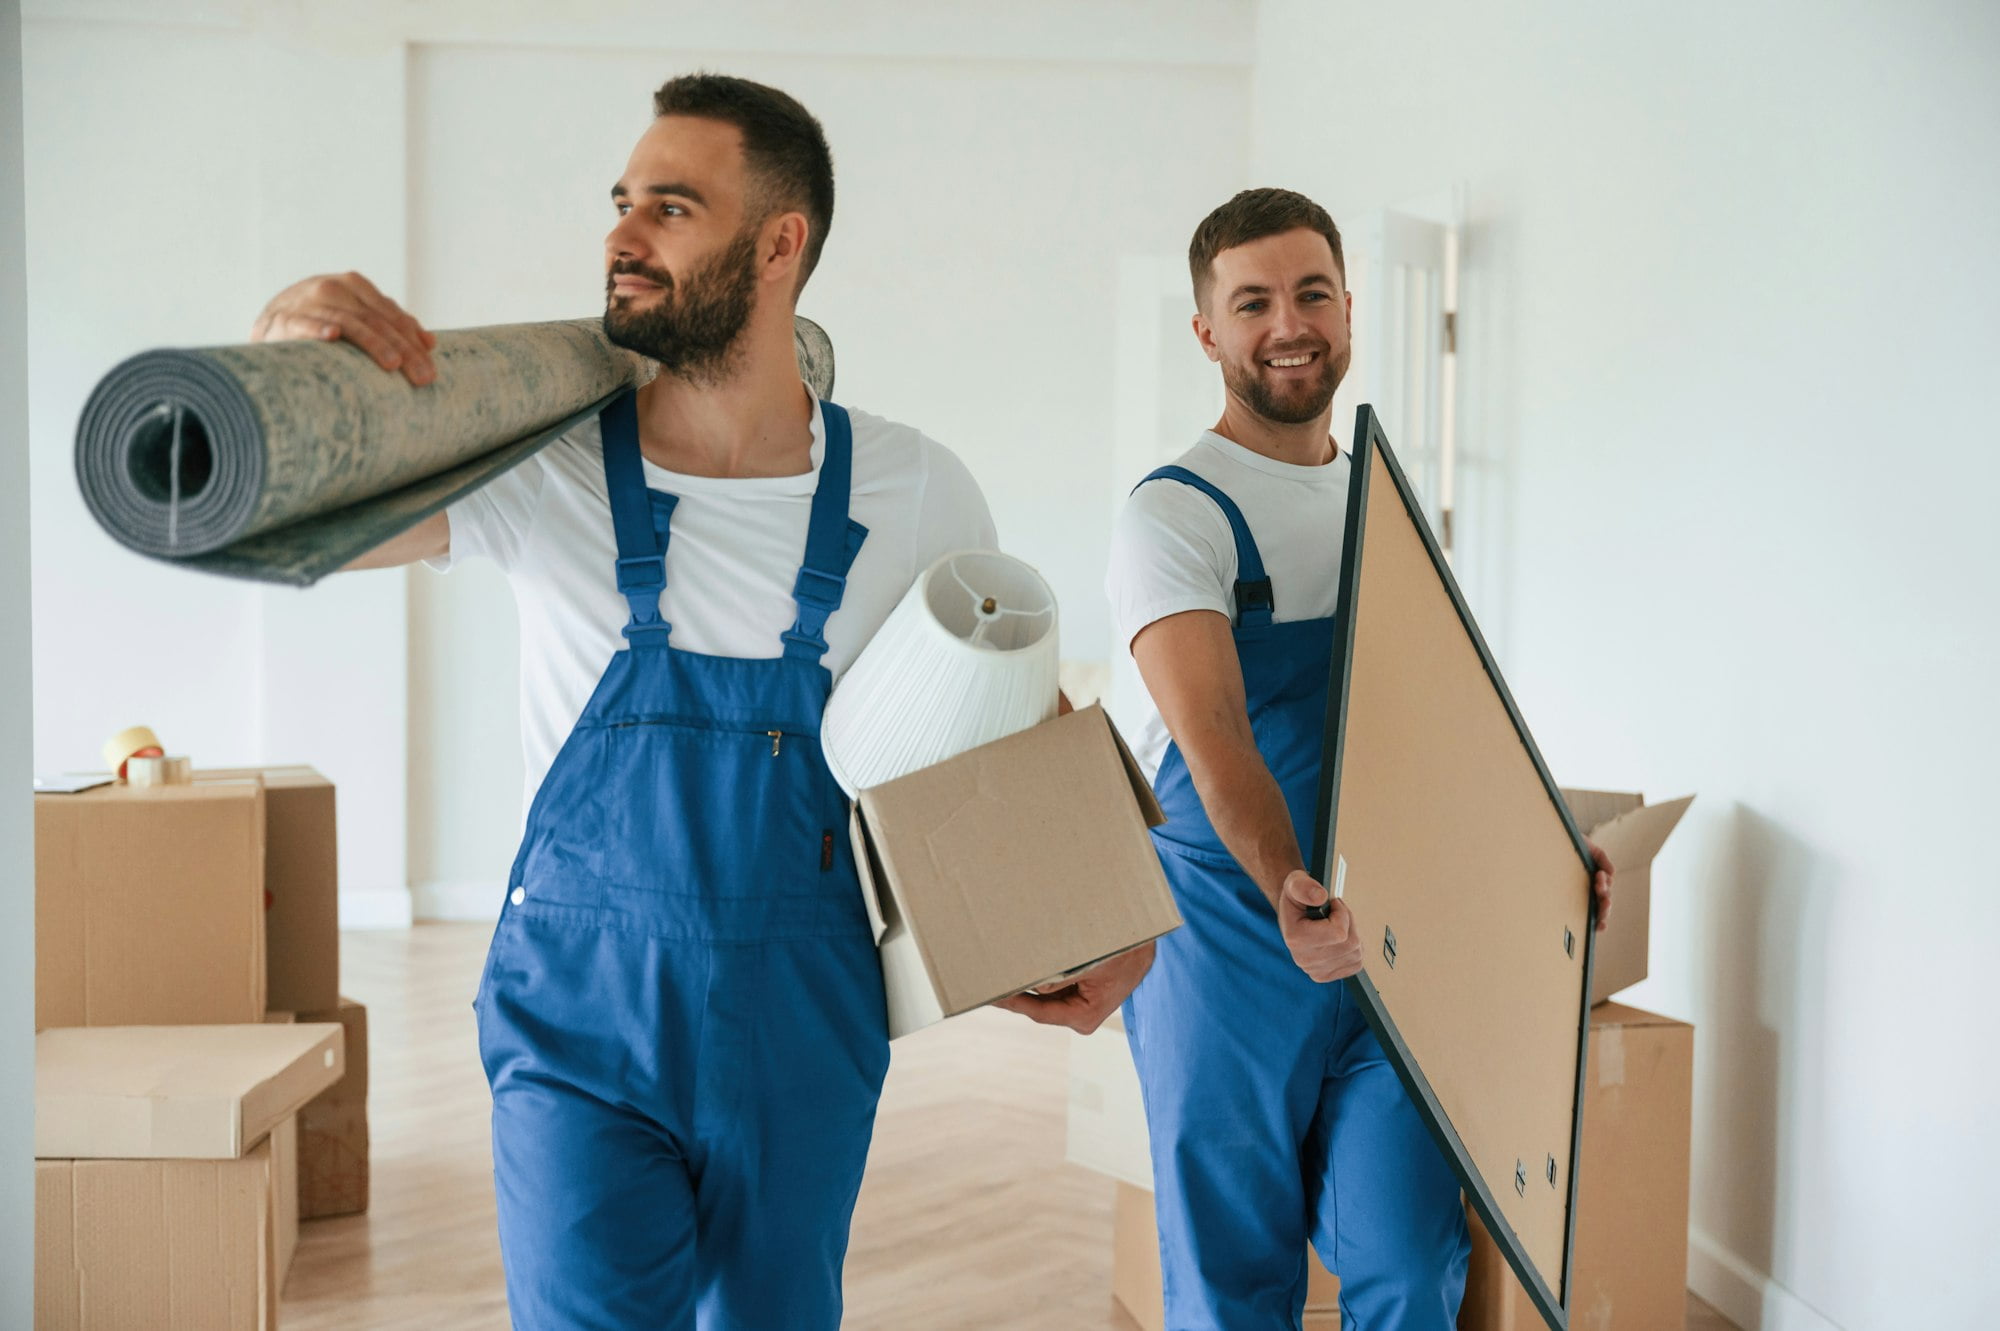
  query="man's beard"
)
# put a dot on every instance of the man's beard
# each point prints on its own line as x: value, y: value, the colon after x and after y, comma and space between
x: 1292, y: 403
x: 693, y: 329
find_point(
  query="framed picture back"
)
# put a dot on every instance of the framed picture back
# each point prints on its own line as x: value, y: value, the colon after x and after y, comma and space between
x: 1440, y: 827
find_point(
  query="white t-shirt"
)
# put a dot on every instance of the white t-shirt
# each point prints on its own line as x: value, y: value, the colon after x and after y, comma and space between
x: 733, y: 552
x: 1172, y: 550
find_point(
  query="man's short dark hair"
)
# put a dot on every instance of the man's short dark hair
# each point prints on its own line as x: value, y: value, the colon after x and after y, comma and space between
x: 784, y: 148
x: 1253, y: 215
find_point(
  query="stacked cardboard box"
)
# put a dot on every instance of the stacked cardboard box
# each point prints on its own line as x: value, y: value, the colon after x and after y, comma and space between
x: 1632, y: 1203
x: 333, y: 1128
x: 1630, y: 1260
x: 158, y: 1202
x: 285, y: 1174
x: 1629, y: 1264
x: 214, y: 905
x: 212, y: 902
x: 149, y: 906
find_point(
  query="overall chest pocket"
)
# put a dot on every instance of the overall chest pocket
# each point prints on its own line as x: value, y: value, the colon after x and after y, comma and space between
x: 686, y: 809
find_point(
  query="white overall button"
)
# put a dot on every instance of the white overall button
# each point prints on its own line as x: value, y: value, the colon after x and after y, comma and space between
x: 517, y: 896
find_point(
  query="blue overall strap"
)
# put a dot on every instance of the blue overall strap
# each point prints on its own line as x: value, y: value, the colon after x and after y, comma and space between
x: 639, y: 518
x: 832, y: 541
x: 1253, y: 586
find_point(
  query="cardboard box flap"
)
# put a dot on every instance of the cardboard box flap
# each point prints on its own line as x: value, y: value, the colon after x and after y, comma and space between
x: 1142, y: 789
x: 875, y: 896
x: 1592, y: 807
x: 175, y: 1092
x: 1634, y: 837
x: 1620, y: 1014
x: 952, y: 825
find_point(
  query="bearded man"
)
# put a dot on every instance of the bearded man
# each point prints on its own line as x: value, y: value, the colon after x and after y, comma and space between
x: 1275, y: 1118
x: 681, y: 1015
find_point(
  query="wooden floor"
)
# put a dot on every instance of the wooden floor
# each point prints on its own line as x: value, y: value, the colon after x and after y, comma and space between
x: 968, y: 1218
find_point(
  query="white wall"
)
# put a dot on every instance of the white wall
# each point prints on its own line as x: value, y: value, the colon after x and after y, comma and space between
x: 17, y: 861
x: 969, y: 284
x: 1731, y: 313
x: 181, y: 165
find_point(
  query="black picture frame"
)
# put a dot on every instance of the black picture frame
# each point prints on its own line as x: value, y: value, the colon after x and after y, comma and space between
x: 1369, y: 438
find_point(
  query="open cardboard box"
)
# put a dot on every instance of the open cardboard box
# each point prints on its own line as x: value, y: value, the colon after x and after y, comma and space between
x: 1631, y: 832
x: 1010, y: 866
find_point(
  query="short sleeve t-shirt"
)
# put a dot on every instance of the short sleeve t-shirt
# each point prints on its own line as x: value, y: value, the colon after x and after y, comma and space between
x: 1172, y: 550
x: 735, y: 550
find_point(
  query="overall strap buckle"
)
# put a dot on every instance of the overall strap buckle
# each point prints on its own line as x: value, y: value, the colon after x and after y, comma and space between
x: 807, y: 589
x: 640, y: 519
x: 641, y: 579
x: 833, y: 539
x: 1253, y: 602
x: 818, y: 594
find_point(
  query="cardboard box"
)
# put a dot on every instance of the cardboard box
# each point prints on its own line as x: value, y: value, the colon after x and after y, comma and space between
x: 175, y: 1092
x: 149, y: 905
x: 1631, y: 832
x: 333, y: 1128
x: 1632, y: 1191
x: 1135, y: 1268
x: 128, y: 1244
x: 285, y: 1192
x: 285, y: 1174
x: 1009, y: 866
x: 1631, y: 1250
x: 302, y: 885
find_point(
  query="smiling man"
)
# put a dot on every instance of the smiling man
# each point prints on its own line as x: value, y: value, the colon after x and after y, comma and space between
x: 1275, y: 1118
x: 682, y: 1015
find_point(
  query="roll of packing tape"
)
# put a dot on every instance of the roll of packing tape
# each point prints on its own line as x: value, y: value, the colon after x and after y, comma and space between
x: 146, y: 771
x: 135, y: 742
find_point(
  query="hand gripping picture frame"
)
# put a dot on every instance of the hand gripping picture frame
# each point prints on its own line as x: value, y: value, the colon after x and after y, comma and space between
x: 1440, y: 827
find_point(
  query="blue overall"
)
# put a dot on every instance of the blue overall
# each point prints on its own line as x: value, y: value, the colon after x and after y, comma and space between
x: 1275, y: 1118
x: 681, y: 1016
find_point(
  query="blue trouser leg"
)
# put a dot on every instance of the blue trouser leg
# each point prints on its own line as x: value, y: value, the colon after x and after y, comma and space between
x: 679, y: 1127
x: 596, y: 1208
x: 1230, y: 1039
x: 1387, y: 1218
x: 1274, y: 1117
x: 796, y: 1055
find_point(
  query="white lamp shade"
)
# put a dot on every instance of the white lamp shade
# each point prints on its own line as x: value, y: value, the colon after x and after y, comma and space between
x: 968, y: 656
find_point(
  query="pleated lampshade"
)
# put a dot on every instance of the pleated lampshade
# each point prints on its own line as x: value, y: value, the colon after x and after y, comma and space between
x: 968, y: 656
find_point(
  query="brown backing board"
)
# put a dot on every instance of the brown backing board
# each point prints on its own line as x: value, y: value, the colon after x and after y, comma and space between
x: 1466, y: 876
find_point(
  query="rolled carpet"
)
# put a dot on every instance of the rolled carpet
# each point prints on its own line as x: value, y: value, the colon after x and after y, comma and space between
x: 284, y: 461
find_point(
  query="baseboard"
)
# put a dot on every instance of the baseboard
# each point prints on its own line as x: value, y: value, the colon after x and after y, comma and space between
x: 1745, y: 1295
x: 375, y: 908
x: 478, y: 900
